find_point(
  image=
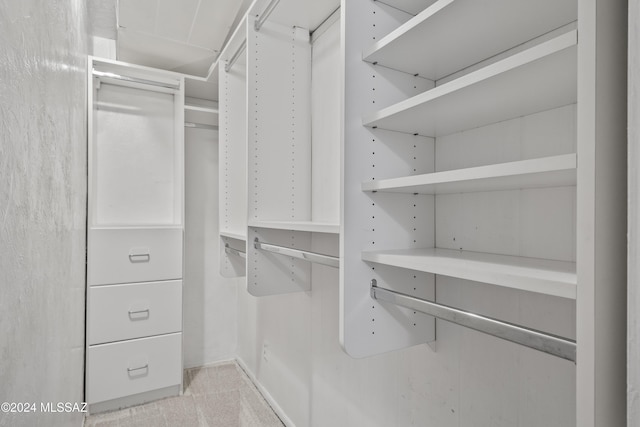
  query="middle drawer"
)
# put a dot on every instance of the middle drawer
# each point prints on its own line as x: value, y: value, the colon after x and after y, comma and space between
x: 121, y: 312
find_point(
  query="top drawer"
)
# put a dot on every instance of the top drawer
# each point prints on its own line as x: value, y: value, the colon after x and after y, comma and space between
x: 126, y: 255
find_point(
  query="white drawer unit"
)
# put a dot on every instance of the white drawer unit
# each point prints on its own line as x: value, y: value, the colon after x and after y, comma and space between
x: 135, y: 235
x: 133, y: 367
x: 121, y: 312
x: 126, y: 255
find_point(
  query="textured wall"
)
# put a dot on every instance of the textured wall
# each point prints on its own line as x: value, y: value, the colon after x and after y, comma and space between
x: 210, y: 314
x: 43, y: 46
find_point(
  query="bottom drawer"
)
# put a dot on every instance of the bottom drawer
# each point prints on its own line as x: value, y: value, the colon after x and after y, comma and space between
x: 129, y: 367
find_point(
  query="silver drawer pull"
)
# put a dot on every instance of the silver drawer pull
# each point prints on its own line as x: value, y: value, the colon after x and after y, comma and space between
x: 138, y: 369
x: 134, y: 312
x: 142, y: 254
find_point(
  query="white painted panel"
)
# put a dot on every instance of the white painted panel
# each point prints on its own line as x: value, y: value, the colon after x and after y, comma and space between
x: 130, y: 367
x: 537, y: 223
x: 279, y: 117
x: 325, y: 126
x: 375, y: 221
x: 548, y: 133
x: 233, y: 148
x: 210, y: 310
x: 121, y: 312
x: 134, y: 160
x: 126, y: 255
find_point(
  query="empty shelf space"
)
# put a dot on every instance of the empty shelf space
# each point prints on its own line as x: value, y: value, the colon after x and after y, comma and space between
x: 557, y: 278
x: 537, y: 79
x: 452, y: 35
x: 311, y: 226
x: 552, y: 171
x: 232, y: 235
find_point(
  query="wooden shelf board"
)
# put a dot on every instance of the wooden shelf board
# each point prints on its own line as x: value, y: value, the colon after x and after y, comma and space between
x: 537, y: 79
x: 552, y: 171
x: 444, y: 49
x: 311, y: 226
x: 557, y: 278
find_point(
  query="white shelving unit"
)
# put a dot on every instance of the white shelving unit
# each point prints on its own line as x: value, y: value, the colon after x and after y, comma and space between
x: 135, y: 234
x: 480, y: 141
x: 266, y: 141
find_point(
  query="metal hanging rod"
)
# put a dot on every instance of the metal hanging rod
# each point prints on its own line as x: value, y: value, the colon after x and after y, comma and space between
x: 317, y: 258
x: 235, y: 56
x: 174, y: 86
x: 265, y: 14
x: 200, y: 126
x: 547, y: 343
x: 228, y: 249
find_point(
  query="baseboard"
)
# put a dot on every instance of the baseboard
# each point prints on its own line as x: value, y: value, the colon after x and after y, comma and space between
x: 267, y: 396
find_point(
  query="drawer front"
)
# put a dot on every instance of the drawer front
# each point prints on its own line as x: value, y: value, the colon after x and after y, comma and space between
x: 125, y: 368
x: 121, y: 312
x: 134, y: 255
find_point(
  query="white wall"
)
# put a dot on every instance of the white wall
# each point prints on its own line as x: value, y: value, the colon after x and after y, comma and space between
x: 43, y: 47
x: 210, y: 313
x: 469, y: 379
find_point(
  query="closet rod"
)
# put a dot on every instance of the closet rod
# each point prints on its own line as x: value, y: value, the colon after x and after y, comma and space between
x: 200, y: 126
x: 235, y: 56
x: 265, y: 14
x: 329, y: 260
x: 547, y: 343
x: 97, y: 73
x: 228, y: 249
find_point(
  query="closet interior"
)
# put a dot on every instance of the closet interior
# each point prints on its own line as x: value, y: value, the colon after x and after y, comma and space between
x: 457, y: 161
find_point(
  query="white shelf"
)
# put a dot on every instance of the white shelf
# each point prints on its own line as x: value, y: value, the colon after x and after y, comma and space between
x: 535, y: 173
x: 548, y: 277
x: 314, y: 227
x: 233, y: 235
x: 491, y: 94
x: 444, y: 48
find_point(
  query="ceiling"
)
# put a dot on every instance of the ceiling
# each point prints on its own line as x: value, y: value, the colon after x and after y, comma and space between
x: 178, y: 35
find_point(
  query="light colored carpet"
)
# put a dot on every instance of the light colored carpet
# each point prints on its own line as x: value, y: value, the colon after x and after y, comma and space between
x: 220, y: 395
